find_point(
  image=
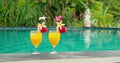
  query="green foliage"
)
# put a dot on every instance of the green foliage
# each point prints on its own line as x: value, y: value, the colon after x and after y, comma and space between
x: 100, y: 18
x: 78, y: 24
x: 27, y: 12
x: 104, y: 13
x: 113, y: 7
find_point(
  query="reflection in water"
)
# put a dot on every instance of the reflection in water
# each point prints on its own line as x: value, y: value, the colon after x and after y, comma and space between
x: 118, y: 32
x: 87, y: 34
x: 18, y: 41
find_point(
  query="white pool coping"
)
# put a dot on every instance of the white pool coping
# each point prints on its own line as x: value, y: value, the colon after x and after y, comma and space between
x: 78, y: 60
x: 63, y: 57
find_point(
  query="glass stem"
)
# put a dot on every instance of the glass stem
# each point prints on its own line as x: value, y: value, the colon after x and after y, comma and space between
x: 54, y: 48
x: 36, y: 49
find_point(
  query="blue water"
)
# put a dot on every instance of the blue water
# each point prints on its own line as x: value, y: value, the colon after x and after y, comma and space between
x: 75, y: 39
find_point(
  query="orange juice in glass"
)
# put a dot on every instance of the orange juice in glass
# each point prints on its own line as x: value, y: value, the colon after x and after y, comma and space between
x: 54, y: 38
x: 36, y: 38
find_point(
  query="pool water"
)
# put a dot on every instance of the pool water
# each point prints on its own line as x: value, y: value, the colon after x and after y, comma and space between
x: 75, y: 39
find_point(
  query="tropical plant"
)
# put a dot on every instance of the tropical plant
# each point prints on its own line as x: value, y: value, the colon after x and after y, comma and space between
x: 100, y: 17
x: 105, y: 13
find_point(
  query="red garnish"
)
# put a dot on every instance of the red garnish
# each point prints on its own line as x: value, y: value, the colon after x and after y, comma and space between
x: 62, y: 29
x: 42, y: 27
x: 43, y: 30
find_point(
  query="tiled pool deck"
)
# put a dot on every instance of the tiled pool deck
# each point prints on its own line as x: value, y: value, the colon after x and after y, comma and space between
x: 63, y: 57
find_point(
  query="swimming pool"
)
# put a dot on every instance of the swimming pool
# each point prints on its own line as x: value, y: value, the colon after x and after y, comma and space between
x: 17, y: 40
